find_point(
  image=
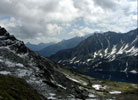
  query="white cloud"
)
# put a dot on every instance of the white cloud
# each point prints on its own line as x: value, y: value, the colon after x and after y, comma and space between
x: 53, y: 29
x: 83, y: 31
x: 32, y: 19
x: 44, y: 39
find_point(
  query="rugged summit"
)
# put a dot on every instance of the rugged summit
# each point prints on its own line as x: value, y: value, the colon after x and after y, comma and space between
x: 7, y: 40
x: 104, y: 52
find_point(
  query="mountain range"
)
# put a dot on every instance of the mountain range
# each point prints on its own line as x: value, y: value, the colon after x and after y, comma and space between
x: 65, y: 44
x: 102, y: 53
x: 37, y: 47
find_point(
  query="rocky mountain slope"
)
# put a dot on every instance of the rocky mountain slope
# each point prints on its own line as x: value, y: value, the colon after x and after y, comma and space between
x: 37, y: 47
x: 42, y: 74
x: 106, y: 52
x: 65, y: 44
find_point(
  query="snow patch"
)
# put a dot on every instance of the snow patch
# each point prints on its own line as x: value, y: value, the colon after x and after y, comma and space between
x: 125, y: 70
x: 52, y: 94
x: 73, y: 79
x: 73, y: 59
x: 61, y: 86
x: 89, y: 60
x: 95, y: 54
x: 23, y: 72
x: 59, y: 61
x: 9, y: 63
x: 5, y: 72
x: 132, y: 51
x: 19, y: 65
x: 91, y: 95
x: 134, y: 72
x: 52, y: 98
x: 23, y: 55
x: 126, y: 46
x: 113, y: 50
x: 1, y: 60
x: 80, y: 81
x: 121, y: 50
x: 96, y: 86
x: 115, y: 92
x: 77, y: 61
x: 106, y: 51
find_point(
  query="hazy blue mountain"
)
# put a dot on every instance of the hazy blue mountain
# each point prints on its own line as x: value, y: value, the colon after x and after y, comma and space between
x: 37, y: 47
x: 65, y: 44
x: 109, y: 51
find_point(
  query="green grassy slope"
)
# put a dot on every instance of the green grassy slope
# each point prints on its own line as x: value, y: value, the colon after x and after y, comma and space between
x: 12, y: 88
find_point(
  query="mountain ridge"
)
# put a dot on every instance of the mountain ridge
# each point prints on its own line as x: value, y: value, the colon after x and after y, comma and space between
x: 109, y: 51
x: 37, y: 47
x: 64, y: 44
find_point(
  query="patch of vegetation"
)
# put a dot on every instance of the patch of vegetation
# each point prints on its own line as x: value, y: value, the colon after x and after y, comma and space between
x: 12, y: 88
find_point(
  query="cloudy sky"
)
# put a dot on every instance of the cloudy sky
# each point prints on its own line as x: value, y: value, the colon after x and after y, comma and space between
x: 53, y: 20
